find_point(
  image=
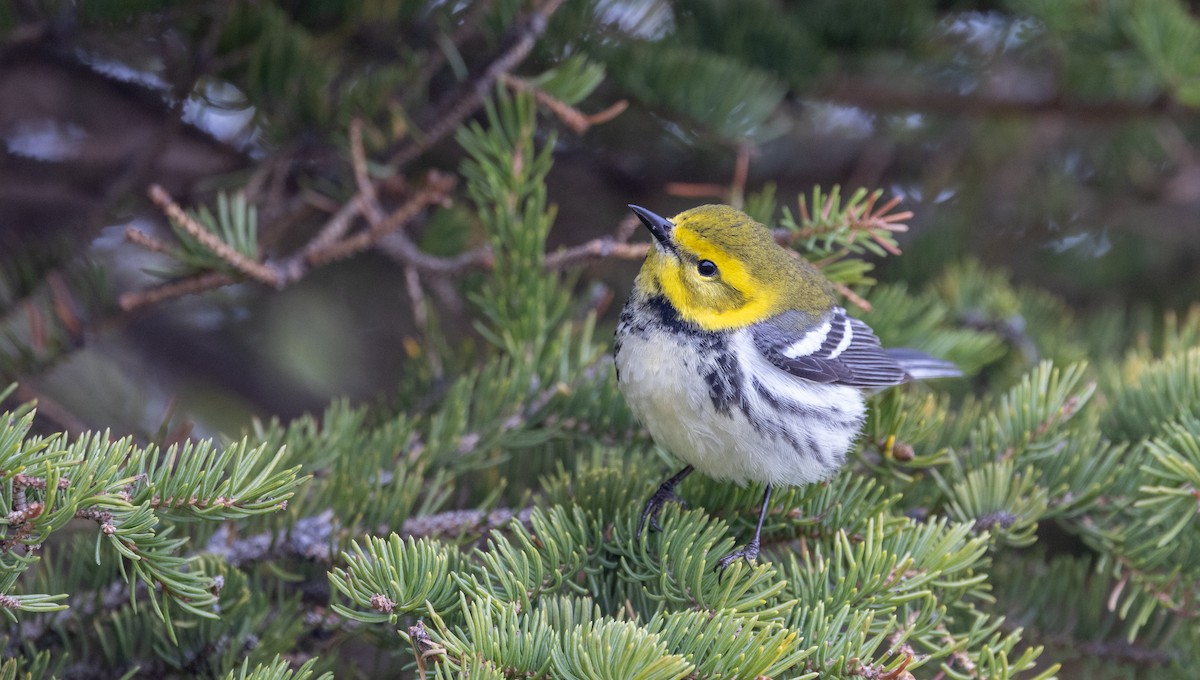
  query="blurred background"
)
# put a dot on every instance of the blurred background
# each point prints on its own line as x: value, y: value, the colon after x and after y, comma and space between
x: 1054, y: 140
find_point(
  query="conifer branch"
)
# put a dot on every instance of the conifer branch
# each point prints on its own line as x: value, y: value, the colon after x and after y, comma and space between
x: 248, y: 267
x: 326, y: 247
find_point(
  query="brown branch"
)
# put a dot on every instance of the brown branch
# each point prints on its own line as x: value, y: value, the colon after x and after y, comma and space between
x: 596, y: 249
x: 401, y: 248
x: 612, y: 246
x: 333, y: 231
x: 326, y: 247
x: 447, y: 120
x: 170, y: 290
x: 734, y: 194
x: 437, y: 190
x: 367, y: 198
x: 154, y: 245
x: 852, y: 297
x: 386, y: 233
x: 245, y: 265
x: 578, y: 121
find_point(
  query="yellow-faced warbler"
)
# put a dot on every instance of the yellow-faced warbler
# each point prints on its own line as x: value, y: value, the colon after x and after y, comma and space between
x: 737, y: 358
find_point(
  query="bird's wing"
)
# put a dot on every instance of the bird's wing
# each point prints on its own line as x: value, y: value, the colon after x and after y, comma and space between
x: 836, y: 348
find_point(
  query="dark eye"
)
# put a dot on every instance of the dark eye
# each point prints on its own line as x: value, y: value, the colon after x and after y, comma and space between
x: 706, y: 268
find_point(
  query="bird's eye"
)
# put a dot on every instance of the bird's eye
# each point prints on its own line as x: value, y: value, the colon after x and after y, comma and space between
x: 706, y: 268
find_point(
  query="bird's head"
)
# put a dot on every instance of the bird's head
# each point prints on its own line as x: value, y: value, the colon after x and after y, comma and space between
x: 722, y: 270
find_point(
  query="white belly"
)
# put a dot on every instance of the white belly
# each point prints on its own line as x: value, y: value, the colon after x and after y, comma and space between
x: 665, y: 387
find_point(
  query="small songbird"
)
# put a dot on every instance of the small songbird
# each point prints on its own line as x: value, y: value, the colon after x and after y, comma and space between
x: 737, y: 358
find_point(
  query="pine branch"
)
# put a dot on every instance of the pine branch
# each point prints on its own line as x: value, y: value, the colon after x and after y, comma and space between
x: 232, y: 257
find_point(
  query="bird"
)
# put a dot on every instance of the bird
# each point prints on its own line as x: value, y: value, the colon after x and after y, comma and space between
x: 737, y: 358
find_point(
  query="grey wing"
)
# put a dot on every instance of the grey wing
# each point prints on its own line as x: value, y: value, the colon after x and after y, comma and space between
x: 836, y: 348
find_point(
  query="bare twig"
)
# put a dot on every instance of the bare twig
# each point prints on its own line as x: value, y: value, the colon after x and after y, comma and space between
x: 200, y: 283
x: 608, y: 247
x: 335, y: 228
x: 154, y: 245
x: 385, y: 230
x: 326, y: 247
x: 734, y: 194
x: 853, y: 297
x: 401, y: 248
x: 436, y: 190
x: 578, y: 121
x: 367, y: 198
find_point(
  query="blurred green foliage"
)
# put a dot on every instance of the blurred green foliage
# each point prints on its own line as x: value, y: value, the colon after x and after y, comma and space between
x: 475, y: 517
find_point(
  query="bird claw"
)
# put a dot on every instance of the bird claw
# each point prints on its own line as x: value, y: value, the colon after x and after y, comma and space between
x: 748, y: 553
x: 665, y: 494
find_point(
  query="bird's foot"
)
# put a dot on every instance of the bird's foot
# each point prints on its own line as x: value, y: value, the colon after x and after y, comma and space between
x: 748, y: 553
x: 665, y: 494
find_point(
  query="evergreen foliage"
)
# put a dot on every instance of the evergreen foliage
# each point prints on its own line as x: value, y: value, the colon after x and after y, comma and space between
x: 483, y: 524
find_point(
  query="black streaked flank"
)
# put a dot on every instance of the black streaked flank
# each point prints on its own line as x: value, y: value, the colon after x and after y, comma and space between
x: 731, y: 386
x: 828, y: 414
x: 725, y: 383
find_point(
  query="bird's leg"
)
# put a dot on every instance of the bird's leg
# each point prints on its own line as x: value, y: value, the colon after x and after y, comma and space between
x: 665, y: 493
x: 750, y: 551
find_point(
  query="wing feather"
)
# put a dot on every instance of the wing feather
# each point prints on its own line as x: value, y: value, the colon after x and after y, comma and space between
x: 835, y: 349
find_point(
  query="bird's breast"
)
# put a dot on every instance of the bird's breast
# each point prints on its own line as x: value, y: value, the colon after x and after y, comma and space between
x: 712, y: 400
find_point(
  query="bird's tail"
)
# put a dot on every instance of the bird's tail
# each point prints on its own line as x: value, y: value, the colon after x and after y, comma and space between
x: 921, y: 366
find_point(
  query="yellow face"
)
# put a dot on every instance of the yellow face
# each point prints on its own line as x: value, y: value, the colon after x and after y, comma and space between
x: 721, y: 270
x: 707, y: 284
